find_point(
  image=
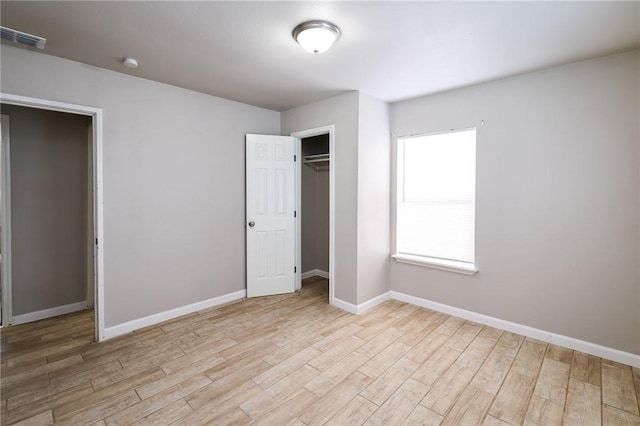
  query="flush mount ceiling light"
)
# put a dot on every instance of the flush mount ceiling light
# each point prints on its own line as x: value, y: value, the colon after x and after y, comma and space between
x: 316, y: 36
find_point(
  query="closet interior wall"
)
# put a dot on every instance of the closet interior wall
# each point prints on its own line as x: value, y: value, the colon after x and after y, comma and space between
x: 315, y: 206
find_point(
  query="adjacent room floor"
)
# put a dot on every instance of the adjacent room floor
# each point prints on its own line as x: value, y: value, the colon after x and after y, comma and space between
x: 293, y: 359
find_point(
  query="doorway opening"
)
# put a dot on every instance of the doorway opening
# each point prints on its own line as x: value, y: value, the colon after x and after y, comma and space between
x: 315, y: 182
x: 51, y: 258
x: 314, y: 188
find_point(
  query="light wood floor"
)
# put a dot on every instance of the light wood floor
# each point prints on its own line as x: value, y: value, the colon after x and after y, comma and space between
x: 293, y: 359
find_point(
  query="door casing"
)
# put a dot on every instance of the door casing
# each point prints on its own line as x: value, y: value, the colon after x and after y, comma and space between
x: 299, y: 135
x: 7, y: 314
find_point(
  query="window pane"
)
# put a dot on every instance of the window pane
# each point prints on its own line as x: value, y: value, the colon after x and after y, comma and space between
x: 436, y: 207
x: 437, y: 229
x: 440, y: 166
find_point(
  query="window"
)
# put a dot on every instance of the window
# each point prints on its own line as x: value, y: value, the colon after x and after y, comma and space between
x: 435, y: 210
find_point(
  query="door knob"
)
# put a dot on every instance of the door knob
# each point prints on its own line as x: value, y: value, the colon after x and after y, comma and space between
x: 252, y: 224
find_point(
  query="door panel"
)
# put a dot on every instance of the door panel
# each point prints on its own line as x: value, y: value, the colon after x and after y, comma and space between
x: 270, y: 215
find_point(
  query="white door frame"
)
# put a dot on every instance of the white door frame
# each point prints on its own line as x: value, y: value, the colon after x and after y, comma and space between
x: 299, y: 135
x: 7, y: 315
x: 90, y: 220
x: 96, y: 116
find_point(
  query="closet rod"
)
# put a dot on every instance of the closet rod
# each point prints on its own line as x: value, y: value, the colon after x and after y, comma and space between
x: 316, y: 158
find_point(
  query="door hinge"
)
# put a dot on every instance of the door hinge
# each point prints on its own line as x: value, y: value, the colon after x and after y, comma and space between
x: 295, y: 269
x: 96, y: 241
x: 295, y: 158
x: 295, y: 213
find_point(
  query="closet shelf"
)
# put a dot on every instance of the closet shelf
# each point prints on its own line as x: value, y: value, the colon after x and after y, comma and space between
x: 315, y: 158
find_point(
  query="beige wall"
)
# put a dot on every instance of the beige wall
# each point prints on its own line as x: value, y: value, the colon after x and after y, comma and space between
x: 557, y: 213
x: 173, y: 181
x: 48, y: 208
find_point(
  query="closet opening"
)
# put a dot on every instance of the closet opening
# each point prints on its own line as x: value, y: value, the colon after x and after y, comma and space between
x: 50, y: 255
x: 315, y: 227
x: 314, y: 185
x: 51, y: 213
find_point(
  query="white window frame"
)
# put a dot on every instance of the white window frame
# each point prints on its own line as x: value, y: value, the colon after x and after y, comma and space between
x: 461, y: 267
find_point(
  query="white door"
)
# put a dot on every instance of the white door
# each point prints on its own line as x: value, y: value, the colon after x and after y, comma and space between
x: 270, y: 215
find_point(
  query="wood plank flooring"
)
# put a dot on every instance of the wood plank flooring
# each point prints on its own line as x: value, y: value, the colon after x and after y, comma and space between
x: 293, y: 359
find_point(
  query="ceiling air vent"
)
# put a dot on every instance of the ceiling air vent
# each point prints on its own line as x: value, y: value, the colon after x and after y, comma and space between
x: 22, y: 38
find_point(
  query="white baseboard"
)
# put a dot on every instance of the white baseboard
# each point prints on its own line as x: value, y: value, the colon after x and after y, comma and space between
x: 124, y: 328
x: 314, y: 273
x: 48, y: 313
x: 535, y: 333
x: 362, y: 307
x: 345, y: 306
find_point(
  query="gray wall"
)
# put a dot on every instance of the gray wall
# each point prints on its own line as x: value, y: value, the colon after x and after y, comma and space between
x: 557, y: 212
x: 315, y: 217
x: 48, y: 208
x: 322, y: 218
x: 173, y: 181
x: 308, y: 218
x: 374, y: 198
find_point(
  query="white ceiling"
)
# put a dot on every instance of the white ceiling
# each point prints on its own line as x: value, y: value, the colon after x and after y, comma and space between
x: 390, y: 50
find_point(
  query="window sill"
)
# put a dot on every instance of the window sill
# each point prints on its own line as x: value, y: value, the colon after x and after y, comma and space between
x: 430, y: 262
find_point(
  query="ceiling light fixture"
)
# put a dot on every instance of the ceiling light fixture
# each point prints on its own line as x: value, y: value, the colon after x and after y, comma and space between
x: 316, y: 36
